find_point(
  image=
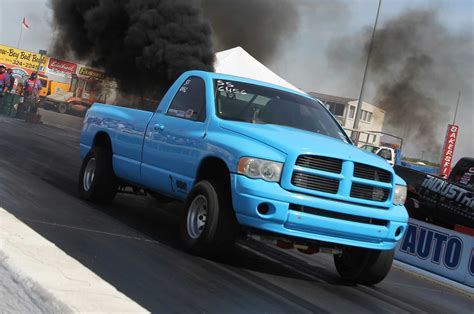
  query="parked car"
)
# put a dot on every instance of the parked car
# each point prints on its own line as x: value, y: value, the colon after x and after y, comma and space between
x: 387, y: 153
x: 248, y: 156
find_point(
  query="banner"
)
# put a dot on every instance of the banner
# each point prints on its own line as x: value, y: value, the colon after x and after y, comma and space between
x: 61, y: 66
x: 438, y: 250
x: 12, y: 57
x: 449, y: 144
x: 91, y: 73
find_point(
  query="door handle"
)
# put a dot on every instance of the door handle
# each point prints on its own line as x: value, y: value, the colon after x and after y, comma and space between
x: 159, y: 127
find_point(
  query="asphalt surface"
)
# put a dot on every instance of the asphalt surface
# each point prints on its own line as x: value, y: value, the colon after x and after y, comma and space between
x: 133, y: 244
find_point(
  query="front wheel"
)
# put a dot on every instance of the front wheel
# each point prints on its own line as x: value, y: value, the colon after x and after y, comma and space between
x: 208, y: 226
x: 363, y: 266
x: 62, y: 107
x: 97, y: 181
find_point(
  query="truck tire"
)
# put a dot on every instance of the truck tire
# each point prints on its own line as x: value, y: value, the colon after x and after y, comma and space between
x: 363, y: 266
x: 97, y: 181
x: 377, y: 268
x: 208, y: 226
x: 62, y: 107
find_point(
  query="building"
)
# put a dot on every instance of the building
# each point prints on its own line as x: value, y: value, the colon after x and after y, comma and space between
x: 344, y: 109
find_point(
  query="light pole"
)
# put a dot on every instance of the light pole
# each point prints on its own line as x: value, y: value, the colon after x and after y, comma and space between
x: 457, y: 106
x: 355, y: 134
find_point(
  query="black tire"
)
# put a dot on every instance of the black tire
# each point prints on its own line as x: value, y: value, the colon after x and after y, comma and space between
x: 218, y: 235
x: 103, y: 186
x: 377, y: 268
x: 363, y: 266
x: 62, y: 107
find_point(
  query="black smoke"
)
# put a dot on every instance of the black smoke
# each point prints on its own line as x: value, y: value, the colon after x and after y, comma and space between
x: 143, y: 44
x: 416, y: 69
x: 258, y: 26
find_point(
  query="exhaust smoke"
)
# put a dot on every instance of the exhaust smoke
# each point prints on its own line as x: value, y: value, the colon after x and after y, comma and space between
x: 416, y: 69
x: 258, y: 26
x: 143, y: 44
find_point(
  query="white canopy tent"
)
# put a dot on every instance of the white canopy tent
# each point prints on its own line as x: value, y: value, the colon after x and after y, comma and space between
x: 238, y: 62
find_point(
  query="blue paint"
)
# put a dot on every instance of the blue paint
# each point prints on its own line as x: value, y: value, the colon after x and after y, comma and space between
x: 163, y: 153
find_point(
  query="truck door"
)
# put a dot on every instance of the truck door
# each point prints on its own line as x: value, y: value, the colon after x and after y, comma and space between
x: 174, y: 141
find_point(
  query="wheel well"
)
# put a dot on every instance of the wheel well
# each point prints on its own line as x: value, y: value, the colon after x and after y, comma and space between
x: 213, y: 168
x: 102, y: 139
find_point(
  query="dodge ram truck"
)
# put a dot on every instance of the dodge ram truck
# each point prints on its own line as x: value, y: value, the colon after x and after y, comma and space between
x: 250, y: 157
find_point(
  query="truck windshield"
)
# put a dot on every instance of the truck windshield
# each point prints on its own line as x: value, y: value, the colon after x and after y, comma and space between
x: 252, y: 103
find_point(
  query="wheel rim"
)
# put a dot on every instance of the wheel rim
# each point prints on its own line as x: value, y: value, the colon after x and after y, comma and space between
x: 89, y: 174
x: 197, y: 216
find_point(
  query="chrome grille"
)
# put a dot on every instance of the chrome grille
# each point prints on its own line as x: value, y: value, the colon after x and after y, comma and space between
x: 317, y: 183
x: 367, y: 192
x: 320, y: 163
x: 372, y: 173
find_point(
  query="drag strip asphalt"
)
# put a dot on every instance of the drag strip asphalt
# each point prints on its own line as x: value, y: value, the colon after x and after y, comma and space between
x: 133, y: 244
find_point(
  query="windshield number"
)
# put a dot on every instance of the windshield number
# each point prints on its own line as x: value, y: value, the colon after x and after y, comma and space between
x: 229, y: 88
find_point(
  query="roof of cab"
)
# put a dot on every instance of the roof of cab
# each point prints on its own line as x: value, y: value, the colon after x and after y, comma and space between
x: 213, y: 75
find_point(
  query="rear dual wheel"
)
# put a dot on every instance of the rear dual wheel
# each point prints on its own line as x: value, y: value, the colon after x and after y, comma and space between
x: 363, y: 266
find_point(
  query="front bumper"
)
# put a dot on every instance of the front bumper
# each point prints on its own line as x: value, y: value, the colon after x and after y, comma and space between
x: 281, y: 218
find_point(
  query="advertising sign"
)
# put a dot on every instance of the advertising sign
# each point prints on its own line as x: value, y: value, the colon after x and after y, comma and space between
x: 62, y: 66
x: 438, y: 250
x: 449, y: 144
x: 91, y: 73
x: 12, y: 57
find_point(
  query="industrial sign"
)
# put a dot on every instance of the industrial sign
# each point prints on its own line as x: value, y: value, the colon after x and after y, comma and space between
x: 12, y: 57
x: 449, y: 144
x: 62, y: 66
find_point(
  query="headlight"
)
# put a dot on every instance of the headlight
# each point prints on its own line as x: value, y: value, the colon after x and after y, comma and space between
x: 400, y: 195
x: 260, y: 169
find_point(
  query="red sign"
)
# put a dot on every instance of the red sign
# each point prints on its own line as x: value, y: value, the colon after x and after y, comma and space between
x: 449, y: 143
x: 62, y: 66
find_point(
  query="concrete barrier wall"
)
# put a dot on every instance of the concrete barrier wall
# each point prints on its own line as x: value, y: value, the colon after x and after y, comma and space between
x: 442, y: 251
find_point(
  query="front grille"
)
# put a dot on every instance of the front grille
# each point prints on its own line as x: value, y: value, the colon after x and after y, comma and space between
x: 336, y: 215
x: 317, y: 183
x: 367, y: 192
x: 320, y: 163
x: 372, y: 173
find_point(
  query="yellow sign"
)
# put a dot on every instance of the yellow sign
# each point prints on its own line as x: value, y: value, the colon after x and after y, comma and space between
x: 21, y: 58
x: 92, y: 73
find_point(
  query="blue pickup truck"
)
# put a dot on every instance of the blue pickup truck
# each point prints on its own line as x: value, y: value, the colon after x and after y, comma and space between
x: 248, y: 156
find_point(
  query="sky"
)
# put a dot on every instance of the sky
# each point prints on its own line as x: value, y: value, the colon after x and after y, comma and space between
x: 302, y: 57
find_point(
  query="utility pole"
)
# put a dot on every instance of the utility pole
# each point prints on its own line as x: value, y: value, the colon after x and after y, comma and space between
x: 355, y: 134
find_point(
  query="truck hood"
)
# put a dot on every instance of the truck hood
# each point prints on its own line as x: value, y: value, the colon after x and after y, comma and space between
x: 293, y: 141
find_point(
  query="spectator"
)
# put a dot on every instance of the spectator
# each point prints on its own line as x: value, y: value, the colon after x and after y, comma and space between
x: 3, y: 81
x: 11, y: 79
x: 31, y: 88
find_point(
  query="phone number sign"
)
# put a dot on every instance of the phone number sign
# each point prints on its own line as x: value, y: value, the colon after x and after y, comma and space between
x: 21, y: 58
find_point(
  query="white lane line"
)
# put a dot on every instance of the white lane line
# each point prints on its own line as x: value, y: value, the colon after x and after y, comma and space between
x: 89, y: 230
x: 37, y: 260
